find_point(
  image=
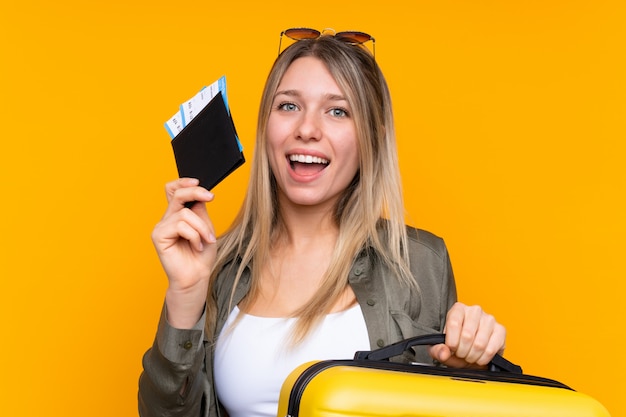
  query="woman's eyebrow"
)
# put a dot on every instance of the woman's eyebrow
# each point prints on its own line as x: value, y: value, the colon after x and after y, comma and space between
x: 296, y: 93
x: 290, y: 93
x: 335, y: 97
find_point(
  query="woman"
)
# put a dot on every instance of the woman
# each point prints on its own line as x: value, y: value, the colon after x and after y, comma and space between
x: 318, y: 263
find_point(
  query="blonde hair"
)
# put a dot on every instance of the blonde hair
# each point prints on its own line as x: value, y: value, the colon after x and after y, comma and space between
x: 374, y: 194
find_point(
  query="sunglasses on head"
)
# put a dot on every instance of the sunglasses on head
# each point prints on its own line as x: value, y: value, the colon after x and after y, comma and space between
x: 351, y: 37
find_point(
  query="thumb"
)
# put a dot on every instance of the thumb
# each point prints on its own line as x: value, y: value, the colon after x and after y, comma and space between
x: 440, y: 352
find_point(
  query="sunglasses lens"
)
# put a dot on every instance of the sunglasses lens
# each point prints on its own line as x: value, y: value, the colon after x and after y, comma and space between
x: 349, y: 37
x: 354, y: 37
x: 302, y: 33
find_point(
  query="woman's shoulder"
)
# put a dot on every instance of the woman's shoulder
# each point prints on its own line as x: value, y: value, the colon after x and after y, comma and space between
x: 425, y: 241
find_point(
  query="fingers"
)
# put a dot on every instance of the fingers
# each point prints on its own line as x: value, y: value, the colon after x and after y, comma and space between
x: 472, y: 335
x: 183, y: 225
x: 495, y: 345
x: 443, y: 354
x: 469, y: 331
x: 191, y: 227
x: 192, y: 224
x: 172, y: 186
x: 455, y: 331
x: 185, y: 190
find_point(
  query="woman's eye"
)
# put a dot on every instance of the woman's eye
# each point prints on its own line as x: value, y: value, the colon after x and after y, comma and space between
x: 287, y: 107
x: 339, y: 112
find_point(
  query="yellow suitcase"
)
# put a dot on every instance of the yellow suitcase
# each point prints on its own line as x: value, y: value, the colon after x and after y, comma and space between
x: 371, y: 386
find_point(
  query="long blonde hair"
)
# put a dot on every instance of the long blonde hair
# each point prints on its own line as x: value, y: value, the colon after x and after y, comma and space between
x: 374, y: 194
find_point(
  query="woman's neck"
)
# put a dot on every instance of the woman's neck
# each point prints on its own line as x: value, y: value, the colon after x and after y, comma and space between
x: 304, y: 225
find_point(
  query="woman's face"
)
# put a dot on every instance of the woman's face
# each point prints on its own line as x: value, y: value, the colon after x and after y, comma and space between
x: 311, y: 136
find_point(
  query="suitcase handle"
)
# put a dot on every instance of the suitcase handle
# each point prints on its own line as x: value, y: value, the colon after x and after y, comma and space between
x: 498, y: 363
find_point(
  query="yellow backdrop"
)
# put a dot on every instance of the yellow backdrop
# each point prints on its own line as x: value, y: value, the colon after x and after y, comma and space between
x: 511, y: 123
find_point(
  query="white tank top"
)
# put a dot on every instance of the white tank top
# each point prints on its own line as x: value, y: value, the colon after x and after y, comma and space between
x: 253, y: 359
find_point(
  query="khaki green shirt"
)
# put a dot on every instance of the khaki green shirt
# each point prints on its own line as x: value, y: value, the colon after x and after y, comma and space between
x: 177, y: 376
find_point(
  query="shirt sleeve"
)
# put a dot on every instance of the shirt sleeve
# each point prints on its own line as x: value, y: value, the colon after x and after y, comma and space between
x: 449, y: 294
x: 174, y: 380
x: 179, y: 345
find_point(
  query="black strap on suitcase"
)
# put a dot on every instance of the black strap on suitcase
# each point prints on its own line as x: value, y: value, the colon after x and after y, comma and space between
x: 498, y: 363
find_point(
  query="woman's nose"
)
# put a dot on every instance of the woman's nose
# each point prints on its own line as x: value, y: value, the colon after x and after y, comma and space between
x: 309, y: 127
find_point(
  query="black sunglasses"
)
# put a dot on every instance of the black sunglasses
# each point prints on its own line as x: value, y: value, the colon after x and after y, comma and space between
x: 351, y: 37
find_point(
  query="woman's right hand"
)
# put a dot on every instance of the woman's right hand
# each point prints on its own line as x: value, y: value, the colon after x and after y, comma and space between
x: 185, y: 242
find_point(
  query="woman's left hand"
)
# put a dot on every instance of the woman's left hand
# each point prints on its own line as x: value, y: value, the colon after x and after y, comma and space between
x: 473, y: 338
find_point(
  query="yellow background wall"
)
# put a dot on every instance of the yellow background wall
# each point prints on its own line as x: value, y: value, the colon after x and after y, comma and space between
x: 511, y: 122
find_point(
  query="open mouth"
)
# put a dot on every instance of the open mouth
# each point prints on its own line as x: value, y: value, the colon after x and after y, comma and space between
x: 307, y: 164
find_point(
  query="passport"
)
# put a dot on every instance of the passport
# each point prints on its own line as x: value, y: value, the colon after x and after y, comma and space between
x: 208, y: 148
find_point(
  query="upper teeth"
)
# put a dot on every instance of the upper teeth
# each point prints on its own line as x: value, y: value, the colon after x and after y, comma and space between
x: 307, y: 159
